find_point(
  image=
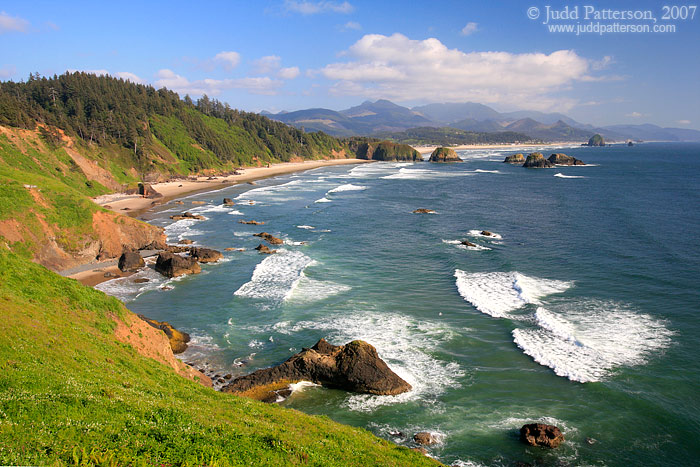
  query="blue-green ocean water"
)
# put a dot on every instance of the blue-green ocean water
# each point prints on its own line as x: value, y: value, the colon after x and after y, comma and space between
x: 583, y: 313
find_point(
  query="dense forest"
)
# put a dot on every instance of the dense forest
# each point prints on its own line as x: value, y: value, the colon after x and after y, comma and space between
x: 446, y: 136
x: 107, y: 111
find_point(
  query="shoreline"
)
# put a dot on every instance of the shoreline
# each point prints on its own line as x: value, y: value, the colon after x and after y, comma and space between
x: 429, y: 149
x: 91, y: 274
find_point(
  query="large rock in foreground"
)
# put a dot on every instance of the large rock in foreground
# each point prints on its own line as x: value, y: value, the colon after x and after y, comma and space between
x: 353, y: 367
x: 515, y: 159
x: 172, y: 265
x: 205, y: 255
x: 444, y: 155
x: 537, y: 161
x: 563, y: 159
x: 131, y: 261
x: 539, y: 434
x: 178, y: 340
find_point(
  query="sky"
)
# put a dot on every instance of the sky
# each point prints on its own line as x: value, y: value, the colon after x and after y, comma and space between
x: 279, y: 55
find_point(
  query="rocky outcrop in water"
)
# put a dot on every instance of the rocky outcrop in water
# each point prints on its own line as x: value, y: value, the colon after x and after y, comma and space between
x: 265, y: 249
x: 423, y: 211
x: 130, y: 261
x: 178, y: 340
x: 444, y: 155
x: 172, y: 265
x: 252, y: 222
x: 355, y: 367
x: 269, y: 238
x: 188, y: 215
x: 536, y: 160
x: 563, y: 159
x: 468, y: 243
x: 205, y: 255
x: 425, y: 438
x: 596, y: 140
x: 515, y: 159
x: 229, y: 202
x: 539, y: 434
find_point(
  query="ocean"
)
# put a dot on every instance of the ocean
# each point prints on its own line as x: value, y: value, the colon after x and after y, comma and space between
x: 581, y: 311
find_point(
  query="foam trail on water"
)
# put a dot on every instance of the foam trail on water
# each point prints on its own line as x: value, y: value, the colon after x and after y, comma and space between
x: 587, y: 340
x: 311, y: 290
x: 461, y: 246
x: 482, y: 171
x: 305, y: 227
x: 477, y: 233
x: 347, y: 187
x: 322, y: 200
x: 561, y: 175
x: 276, y: 276
x: 125, y: 289
x: 498, y: 293
x: 181, y: 229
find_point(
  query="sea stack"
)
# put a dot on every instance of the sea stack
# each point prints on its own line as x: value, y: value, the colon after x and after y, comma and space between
x: 596, y: 140
x: 536, y: 160
x: 444, y: 155
x: 563, y: 159
x: 515, y: 159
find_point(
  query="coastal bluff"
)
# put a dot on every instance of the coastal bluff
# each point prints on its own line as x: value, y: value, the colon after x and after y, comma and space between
x: 355, y: 367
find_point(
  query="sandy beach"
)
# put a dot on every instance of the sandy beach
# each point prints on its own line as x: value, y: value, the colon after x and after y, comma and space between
x: 429, y: 149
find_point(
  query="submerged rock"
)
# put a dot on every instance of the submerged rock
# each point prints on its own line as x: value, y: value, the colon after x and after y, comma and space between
x: 205, y: 255
x: 423, y: 211
x: 252, y: 222
x: 353, y: 367
x: 172, y: 265
x: 130, y: 261
x: 178, y: 340
x: 188, y: 215
x: 425, y: 438
x: 563, y: 159
x: 269, y: 238
x: 536, y: 160
x: 539, y: 434
x: 468, y: 243
x: 444, y: 155
x: 515, y: 159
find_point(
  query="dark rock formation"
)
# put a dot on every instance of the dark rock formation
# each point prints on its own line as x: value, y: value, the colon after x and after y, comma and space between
x: 385, y: 151
x: 515, y: 159
x: 205, y: 255
x: 147, y: 191
x: 185, y: 241
x: 172, y: 265
x: 228, y: 202
x: 563, y: 159
x: 539, y: 434
x: 468, y: 243
x: 141, y: 280
x: 265, y: 249
x: 596, y: 140
x: 630, y: 143
x: 425, y: 438
x: 188, y: 215
x: 353, y: 367
x: 178, y: 340
x: 269, y: 238
x: 444, y: 155
x: 252, y: 222
x: 131, y: 261
x: 536, y: 160
x: 423, y: 211
x: 486, y: 233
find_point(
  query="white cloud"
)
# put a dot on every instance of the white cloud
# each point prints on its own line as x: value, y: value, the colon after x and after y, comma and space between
x: 399, y: 68
x: 636, y: 115
x: 229, y: 60
x: 602, y: 63
x: 266, y: 64
x: 470, y: 28
x: 12, y: 23
x: 351, y: 26
x: 180, y: 84
x: 126, y: 75
x: 306, y: 7
x: 683, y: 122
x: 289, y: 73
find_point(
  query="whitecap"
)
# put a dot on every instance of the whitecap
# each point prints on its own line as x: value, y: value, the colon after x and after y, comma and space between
x: 305, y: 227
x: 587, y: 340
x: 477, y: 233
x: 322, y: 200
x: 126, y: 290
x: 461, y: 246
x: 498, y: 293
x: 347, y: 187
x: 181, y: 229
x: 312, y: 290
x: 235, y: 212
x: 276, y: 276
x: 561, y: 175
x: 482, y: 171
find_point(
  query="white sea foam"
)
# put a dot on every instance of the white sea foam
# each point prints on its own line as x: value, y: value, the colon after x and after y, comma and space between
x: 125, y: 289
x: 561, y: 175
x: 587, y: 340
x: 461, y: 246
x: 276, y: 276
x: 243, y: 234
x: 211, y: 208
x: 305, y: 227
x: 404, y: 343
x: 423, y: 174
x: 235, y: 212
x: 312, y: 290
x: 498, y: 293
x: 477, y: 233
x: 347, y: 187
x: 322, y: 200
x: 181, y: 229
x: 482, y: 171
x: 301, y: 385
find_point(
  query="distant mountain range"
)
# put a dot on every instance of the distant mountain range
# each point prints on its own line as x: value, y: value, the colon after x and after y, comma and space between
x: 383, y: 116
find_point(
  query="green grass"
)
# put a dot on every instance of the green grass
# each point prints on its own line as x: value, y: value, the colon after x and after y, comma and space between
x: 71, y: 394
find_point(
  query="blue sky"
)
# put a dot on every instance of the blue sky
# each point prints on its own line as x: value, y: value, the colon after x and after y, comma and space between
x: 293, y: 54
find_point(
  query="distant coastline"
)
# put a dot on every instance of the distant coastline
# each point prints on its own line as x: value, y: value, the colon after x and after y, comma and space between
x: 429, y: 149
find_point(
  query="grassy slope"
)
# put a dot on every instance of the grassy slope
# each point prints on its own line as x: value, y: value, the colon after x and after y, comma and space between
x: 70, y: 393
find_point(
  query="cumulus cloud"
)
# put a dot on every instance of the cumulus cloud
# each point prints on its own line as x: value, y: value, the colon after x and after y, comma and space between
x: 128, y: 76
x: 257, y: 85
x: 470, y: 28
x: 684, y: 122
x: 306, y: 7
x: 399, y: 68
x: 229, y: 60
x: 289, y: 73
x: 635, y: 115
x: 351, y: 26
x: 12, y: 23
x: 266, y: 64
